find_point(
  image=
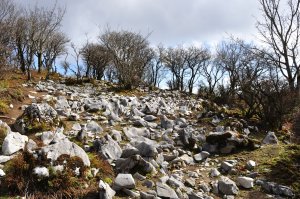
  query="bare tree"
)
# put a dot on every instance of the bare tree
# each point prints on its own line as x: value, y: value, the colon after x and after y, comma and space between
x: 197, y: 58
x: 96, y: 58
x: 130, y: 54
x: 175, y: 60
x: 156, y: 70
x: 280, y: 30
x: 48, y: 22
x: 7, y: 19
x: 55, y: 47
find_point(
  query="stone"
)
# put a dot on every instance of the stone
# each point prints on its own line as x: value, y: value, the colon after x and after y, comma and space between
x: 214, y: 172
x: 250, y: 165
x: 245, y: 182
x: 274, y: 188
x: 187, y: 159
x: 226, y: 166
x: 41, y: 172
x: 105, y: 191
x: 2, y: 173
x: 109, y: 149
x: 94, y: 127
x: 67, y: 147
x: 126, y: 165
x: 201, y: 156
x: 147, y: 195
x: 166, y: 123
x: 187, y: 138
x: 165, y: 191
x: 190, y: 182
x: 147, y: 150
x: 13, y: 142
x: 124, y: 181
x: 130, y: 193
x: 227, y: 186
x: 150, y: 118
x: 128, y: 151
x: 47, y: 137
x: 138, y: 176
x: 148, y: 183
x: 31, y: 146
x: 270, y: 138
x: 4, y: 158
x: 116, y: 135
x: 36, y: 113
x: 133, y: 132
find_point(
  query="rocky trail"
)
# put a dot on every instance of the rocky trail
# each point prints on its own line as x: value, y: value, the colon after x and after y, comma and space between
x: 159, y: 144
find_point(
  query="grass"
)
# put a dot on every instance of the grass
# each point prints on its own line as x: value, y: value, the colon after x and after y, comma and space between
x: 275, y: 163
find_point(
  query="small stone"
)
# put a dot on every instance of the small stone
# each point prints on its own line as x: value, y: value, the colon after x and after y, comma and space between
x: 214, y: 172
x: 250, y: 165
x: 270, y: 138
x: 41, y: 171
x: 226, y: 166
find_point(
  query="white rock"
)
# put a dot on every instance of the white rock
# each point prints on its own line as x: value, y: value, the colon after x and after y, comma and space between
x: 41, y: 171
x: 67, y: 147
x: 4, y: 158
x: 250, y: 165
x: 124, y: 181
x: 245, y: 182
x: 13, y: 142
x: 214, y: 173
x: 2, y: 173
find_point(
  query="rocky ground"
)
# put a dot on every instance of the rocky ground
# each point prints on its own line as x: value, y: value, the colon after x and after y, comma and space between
x: 160, y: 144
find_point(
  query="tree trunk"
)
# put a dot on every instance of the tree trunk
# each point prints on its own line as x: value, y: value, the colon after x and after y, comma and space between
x: 40, y: 63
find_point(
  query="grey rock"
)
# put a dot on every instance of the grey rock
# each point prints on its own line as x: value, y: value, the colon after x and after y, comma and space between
x: 36, y: 112
x: 131, y: 194
x: 226, y: 166
x: 166, y: 123
x: 13, y: 142
x: 67, y: 147
x: 139, y: 176
x: 94, y: 127
x: 190, y: 182
x: 128, y: 151
x: 126, y: 165
x: 204, y: 187
x: 148, y: 183
x: 270, y: 138
x: 214, y: 172
x: 106, y: 192
x: 31, y: 146
x: 147, y: 149
x: 250, y: 165
x: 147, y: 195
x: 227, y: 186
x: 110, y: 149
x: 165, y: 191
x: 274, y: 188
x: 124, y: 181
x: 201, y: 156
x: 150, y: 118
x: 133, y: 132
x: 116, y: 135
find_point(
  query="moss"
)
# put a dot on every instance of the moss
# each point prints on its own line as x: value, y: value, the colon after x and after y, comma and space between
x: 3, y: 133
x: 3, y: 106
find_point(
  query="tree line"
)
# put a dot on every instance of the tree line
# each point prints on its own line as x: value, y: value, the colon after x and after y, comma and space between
x: 265, y: 79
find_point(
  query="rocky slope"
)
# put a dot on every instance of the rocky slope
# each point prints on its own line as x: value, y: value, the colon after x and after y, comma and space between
x: 161, y: 144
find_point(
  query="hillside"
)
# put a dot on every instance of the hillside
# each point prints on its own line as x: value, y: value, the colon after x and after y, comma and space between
x: 60, y: 139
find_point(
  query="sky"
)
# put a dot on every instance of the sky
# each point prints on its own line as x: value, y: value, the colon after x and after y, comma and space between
x: 170, y: 22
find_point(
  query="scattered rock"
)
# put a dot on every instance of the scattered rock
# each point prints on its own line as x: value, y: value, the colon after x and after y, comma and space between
x: 105, y: 191
x: 165, y: 191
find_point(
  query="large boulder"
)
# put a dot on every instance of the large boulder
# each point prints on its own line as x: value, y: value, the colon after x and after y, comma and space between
x: 13, y: 142
x: 36, y: 114
x: 227, y: 186
x: 67, y: 147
